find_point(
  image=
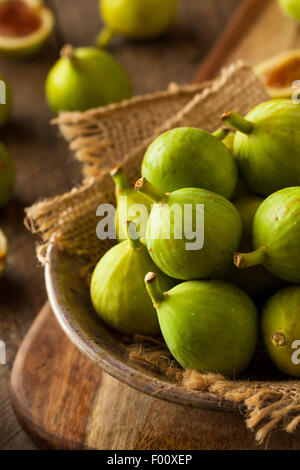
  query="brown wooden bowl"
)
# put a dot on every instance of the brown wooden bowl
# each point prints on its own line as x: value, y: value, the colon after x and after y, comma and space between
x: 70, y: 301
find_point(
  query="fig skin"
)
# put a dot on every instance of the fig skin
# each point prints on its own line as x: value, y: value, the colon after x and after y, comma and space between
x: 7, y: 175
x: 222, y: 233
x: 3, y: 251
x: 281, y: 327
x: 118, y: 291
x: 267, y: 145
x: 137, y: 19
x: 291, y: 8
x: 30, y: 45
x: 256, y: 281
x: 6, y: 108
x: 209, y: 326
x: 122, y: 188
x: 276, y: 235
x: 187, y: 157
x: 85, y: 78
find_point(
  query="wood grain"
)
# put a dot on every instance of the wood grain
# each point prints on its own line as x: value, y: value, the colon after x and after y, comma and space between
x: 44, y: 165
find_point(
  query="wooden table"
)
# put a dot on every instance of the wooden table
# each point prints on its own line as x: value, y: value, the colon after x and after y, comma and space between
x: 44, y: 165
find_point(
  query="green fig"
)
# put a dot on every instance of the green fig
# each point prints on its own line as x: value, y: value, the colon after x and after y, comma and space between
x: 256, y: 281
x: 276, y: 235
x: 85, y: 78
x: 209, y: 326
x: 128, y: 201
x: 267, y: 145
x: 3, y: 251
x: 7, y: 175
x: 187, y: 157
x: 25, y: 27
x: 191, y: 233
x: 281, y: 330
x: 117, y: 287
x: 5, y: 107
x: 136, y: 19
x: 291, y: 8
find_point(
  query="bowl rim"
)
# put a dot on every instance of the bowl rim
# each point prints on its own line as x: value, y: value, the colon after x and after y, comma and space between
x: 129, y: 373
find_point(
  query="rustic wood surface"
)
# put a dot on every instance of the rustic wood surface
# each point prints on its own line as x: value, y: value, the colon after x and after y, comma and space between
x: 44, y: 165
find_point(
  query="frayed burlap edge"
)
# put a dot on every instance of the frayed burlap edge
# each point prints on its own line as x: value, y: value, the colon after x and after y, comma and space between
x: 119, y: 134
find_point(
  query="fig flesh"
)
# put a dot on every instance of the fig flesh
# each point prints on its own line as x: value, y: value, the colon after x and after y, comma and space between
x: 187, y: 157
x: 281, y: 330
x: 85, y: 78
x: 127, y: 204
x: 192, y: 233
x: 118, y: 291
x: 7, y: 175
x: 267, y: 145
x: 209, y: 326
x: 257, y: 281
x: 276, y: 235
x: 137, y: 19
x: 25, y: 26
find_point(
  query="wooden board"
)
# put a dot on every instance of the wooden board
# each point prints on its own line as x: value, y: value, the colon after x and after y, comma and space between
x: 64, y: 401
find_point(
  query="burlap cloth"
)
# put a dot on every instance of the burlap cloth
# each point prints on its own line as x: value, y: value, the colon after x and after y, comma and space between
x: 119, y: 134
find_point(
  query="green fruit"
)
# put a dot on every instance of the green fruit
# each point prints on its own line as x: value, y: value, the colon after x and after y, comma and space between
x: 276, y: 235
x: 267, y: 145
x: 3, y: 251
x: 256, y: 281
x: 25, y: 26
x: 136, y: 19
x: 85, y: 78
x: 127, y: 198
x: 5, y: 108
x: 291, y: 8
x: 209, y: 326
x: 281, y: 330
x: 118, y: 291
x: 7, y: 176
x: 190, y: 158
x: 176, y: 225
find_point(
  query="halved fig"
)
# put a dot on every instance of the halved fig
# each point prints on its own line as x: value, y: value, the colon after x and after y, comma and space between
x: 25, y: 26
x: 280, y: 72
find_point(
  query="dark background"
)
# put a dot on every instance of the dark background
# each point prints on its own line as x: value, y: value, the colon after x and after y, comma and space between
x: 45, y: 167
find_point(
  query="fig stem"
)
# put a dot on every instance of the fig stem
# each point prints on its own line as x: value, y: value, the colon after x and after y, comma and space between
x: 220, y: 134
x: 239, y: 123
x: 132, y: 234
x: 119, y: 178
x: 104, y: 37
x: 153, y: 289
x: 246, y: 260
x: 151, y: 191
x: 67, y: 52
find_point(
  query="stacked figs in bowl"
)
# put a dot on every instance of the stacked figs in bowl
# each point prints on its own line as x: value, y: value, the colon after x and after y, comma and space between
x: 209, y: 244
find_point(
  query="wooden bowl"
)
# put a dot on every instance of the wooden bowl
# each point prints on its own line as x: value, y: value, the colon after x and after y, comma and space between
x: 70, y: 301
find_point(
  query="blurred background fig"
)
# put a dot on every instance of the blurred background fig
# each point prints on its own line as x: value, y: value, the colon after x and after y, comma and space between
x: 136, y: 19
x: 187, y: 157
x: 276, y: 235
x: 267, y: 145
x: 174, y: 232
x: 85, y: 78
x: 257, y: 281
x: 118, y: 291
x: 127, y: 200
x: 3, y: 251
x: 291, y: 8
x: 7, y: 96
x: 25, y: 27
x: 281, y: 330
x: 7, y: 175
x: 209, y: 326
x: 279, y: 73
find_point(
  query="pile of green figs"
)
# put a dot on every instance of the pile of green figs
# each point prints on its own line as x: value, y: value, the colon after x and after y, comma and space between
x: 238, y: 193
